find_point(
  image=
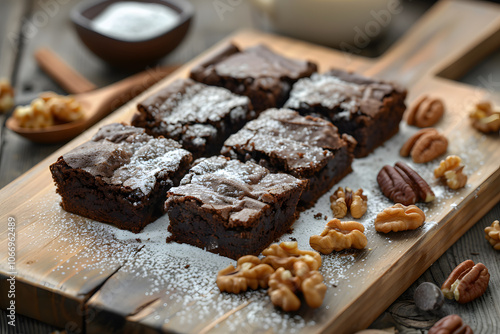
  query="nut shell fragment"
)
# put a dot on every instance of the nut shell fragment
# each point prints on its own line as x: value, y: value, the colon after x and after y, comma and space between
x: 399, y: 218
x: 339, y: 235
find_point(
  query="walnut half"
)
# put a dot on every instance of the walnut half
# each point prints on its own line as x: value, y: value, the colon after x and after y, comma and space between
x: 399, y: 218
x: 466, y: 282
x: 339, y: 235
x: 451, y: 170
x: 6, y: 95
x: 493, y: 234
x: 249, y: 273
x: 484, y: 118
x: 47, y: 110
x: 287, y: 253
x: 344, y: 201
x: 285, y: 287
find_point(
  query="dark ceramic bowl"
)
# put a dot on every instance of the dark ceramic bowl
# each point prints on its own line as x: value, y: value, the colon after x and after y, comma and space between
x: 131, y: 54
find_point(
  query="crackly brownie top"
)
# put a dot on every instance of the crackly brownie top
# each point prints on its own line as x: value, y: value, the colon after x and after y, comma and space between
x: 126, y: 156
x: 188, y: 102
x: 239, y: 192
x: 348, y: 93
x: 256, y: 62
x: 298, y: 144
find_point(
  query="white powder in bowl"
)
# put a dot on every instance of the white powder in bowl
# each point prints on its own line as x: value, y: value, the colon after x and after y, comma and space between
x: 135, y: 21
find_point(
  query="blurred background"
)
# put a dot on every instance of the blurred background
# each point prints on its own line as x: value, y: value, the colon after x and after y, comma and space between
x: 26, y: 25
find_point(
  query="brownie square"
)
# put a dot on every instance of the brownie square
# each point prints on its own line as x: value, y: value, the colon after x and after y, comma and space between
x: 232, y: 208
x: 367, y: 109
x: 200, y: 117
x: 121, y: 176
x: 257, y: 72
x: 308, y: 148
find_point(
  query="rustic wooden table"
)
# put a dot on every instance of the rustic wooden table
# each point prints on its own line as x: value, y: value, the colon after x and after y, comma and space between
x: 26, y: 25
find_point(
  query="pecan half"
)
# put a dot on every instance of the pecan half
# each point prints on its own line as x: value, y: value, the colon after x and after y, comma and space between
x: 451, y: 170
x: 399, y: 218
x: 402, y: 184
x: 249, y: 273
x: 484, y: 118
x: 424, y: 146
x: 285, y: 287
x: 425, y: 112
x: 395, y: 187
x: 466, y: 282
x: 287, y: 253
x: 339, y: 235
x: 423, y: 189
x: 451, y: 324
x: 493, y: 234
x: 344, y: 201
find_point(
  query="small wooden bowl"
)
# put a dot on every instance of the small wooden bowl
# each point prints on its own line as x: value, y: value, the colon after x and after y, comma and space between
x: 131, y: 54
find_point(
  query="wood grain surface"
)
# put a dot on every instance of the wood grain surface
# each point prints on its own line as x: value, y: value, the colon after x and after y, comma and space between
x: 53, y: 241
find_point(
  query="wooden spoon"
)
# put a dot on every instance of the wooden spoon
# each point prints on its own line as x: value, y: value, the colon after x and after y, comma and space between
x: 96, y: 104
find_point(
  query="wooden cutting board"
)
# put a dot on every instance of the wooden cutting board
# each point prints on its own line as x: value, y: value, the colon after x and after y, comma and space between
x: 89, y: 277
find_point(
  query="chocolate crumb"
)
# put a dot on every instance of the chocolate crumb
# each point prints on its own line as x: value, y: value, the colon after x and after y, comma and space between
x: 318, y: 216
x: 138, y: 239
x: 334, y: 285
x: 187, y: 266
x: 293, y: 239
x: 474, y: 253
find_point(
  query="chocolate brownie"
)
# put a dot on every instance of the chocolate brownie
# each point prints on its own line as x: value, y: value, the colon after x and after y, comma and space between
x: 232, y: 208
x: 121, y: 176
x: 367, y: 109
x: 200, y: 117
x: 308, y: 148
x: 257, y: 72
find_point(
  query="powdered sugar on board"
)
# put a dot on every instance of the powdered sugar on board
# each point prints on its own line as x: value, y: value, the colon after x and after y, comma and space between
x: 177, y: 281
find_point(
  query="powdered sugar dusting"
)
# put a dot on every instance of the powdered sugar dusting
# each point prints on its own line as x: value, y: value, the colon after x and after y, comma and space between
x: 177, y: 281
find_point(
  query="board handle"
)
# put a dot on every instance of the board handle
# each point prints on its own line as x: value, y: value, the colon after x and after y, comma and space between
x: 447, y: 32
x: 69, y: 79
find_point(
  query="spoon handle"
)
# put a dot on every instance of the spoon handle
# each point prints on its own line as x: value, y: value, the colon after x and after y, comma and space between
x: 69, y: 79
